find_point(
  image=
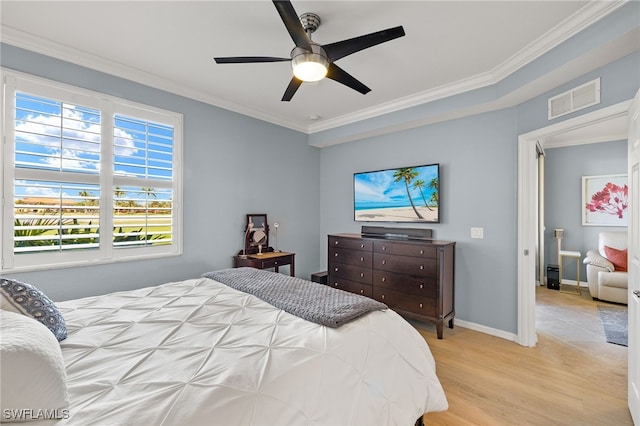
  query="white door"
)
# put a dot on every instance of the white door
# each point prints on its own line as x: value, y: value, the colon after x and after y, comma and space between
x: 634, y: 259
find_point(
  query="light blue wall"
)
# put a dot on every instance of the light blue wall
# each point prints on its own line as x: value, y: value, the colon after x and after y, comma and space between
x: 221, y: 185
x: 619, y: 81
x: 477, y: 157
x: 564, y: 168
x: 477, y: 154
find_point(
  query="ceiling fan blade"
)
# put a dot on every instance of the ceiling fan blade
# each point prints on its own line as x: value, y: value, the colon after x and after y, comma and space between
x: 343, y: 48
x: 341, y: 76
x: 293, y: 24
x: 291, y: 89
x: 248, y: 59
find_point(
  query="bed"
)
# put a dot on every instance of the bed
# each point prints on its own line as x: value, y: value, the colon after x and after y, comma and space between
x: 198, y: 352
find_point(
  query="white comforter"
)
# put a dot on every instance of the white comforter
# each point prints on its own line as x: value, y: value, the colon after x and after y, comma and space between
x: 198, y: 352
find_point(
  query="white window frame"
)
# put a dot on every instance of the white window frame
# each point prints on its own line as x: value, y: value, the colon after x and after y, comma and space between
x: 109, y: 106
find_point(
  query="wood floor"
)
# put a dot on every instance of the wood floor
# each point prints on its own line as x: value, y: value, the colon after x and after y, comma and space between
x: 571, y: 377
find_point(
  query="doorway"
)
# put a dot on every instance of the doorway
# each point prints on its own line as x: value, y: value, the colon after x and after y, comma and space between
x: 599, y: 126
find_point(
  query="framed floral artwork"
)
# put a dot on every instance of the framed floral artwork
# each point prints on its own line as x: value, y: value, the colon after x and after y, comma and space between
x: 604, y: 200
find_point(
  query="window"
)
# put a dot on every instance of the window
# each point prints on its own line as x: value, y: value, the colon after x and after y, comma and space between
x: 86, y: 177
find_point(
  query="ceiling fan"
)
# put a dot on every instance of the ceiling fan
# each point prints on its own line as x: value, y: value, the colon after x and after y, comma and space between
x: 311, y: 61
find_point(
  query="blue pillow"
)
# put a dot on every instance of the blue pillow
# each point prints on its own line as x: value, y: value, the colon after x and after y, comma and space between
x: 27, y: 300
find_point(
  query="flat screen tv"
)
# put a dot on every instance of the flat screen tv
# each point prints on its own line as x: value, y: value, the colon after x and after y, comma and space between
x: 409, y: 194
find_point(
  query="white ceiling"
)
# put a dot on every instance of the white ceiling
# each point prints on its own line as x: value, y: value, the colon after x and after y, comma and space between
x: 449, y: 47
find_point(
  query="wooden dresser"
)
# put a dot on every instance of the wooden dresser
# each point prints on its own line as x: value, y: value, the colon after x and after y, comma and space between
x: 413, y: 277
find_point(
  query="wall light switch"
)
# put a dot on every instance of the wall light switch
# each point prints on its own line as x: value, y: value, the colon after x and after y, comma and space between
x: 477, y: 233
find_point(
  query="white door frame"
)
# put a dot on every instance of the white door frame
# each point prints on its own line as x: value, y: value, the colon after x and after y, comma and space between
x: 528, y: 206
x: 634, y: 260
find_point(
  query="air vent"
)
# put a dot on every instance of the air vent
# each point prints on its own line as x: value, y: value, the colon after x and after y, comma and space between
x: 575, y: 99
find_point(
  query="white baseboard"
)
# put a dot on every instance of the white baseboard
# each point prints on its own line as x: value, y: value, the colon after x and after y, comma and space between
x: 512, y: 337
x: 567, y: 282
x: 484, y: 329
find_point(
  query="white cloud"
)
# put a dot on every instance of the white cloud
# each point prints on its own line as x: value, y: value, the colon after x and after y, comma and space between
x: 77, y: 136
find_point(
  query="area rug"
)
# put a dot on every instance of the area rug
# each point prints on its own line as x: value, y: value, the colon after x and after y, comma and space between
x: 614, y: 320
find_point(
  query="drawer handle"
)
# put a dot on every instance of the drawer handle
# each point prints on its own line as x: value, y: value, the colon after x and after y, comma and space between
x: 384, y: 262
x: 384, y: 279
x: 336, y: 269
x: 335, y: 254
x: 335, y: 284
x: 335, y: 242
x: 421, y: 305
x: 383, y: 296
x: 421, y: 251
x: 361, y: 274
x: 275, y: 263
x: 384, y: 248
x: 361, y: 291
x: 362, y: 259
x: 421, y: 286
x: 421, y: 266
x: 361, y: 245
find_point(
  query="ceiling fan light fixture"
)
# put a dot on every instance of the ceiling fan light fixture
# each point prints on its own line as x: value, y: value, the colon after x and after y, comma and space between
x: 309, y: 66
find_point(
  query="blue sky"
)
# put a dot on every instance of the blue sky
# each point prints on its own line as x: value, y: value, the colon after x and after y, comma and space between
x: 54, y: 136
x: 378, y: 189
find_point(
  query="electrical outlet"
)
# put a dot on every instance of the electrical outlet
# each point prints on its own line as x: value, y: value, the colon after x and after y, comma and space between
x: 477, y: 233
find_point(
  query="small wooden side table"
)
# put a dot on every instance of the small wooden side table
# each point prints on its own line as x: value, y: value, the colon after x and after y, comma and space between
x: 274, y: 259
x: 576, y: 255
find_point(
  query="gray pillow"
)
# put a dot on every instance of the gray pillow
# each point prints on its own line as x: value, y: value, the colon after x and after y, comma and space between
x: 27, y: 300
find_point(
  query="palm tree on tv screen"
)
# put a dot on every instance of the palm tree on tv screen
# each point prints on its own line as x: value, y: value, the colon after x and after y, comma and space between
x: 435, y: 185
x: 419, y: 184
x: 407, y: 174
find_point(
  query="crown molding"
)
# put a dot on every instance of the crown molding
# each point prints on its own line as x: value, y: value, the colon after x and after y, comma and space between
x: 585, y: 17
x: 590, y: 13
x: 45, y: 47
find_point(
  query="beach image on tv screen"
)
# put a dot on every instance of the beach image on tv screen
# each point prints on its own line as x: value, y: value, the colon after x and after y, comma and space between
x: 409, y: 194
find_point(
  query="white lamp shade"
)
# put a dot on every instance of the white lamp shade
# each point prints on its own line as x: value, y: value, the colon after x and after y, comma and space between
x: 309, y: 66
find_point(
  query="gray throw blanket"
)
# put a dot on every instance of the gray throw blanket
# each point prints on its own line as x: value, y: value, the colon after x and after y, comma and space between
x: 305, y: 299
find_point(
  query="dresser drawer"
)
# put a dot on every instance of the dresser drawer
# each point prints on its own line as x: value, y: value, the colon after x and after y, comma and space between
x: 405, y: 302
x: 351, y: 257
x: 272, y: 263
x: 350, y: 243
x: 405, y: 249
x: 418, y: 285
x: 350, y: 272
x: 351, y: 286
x: 405, y: 265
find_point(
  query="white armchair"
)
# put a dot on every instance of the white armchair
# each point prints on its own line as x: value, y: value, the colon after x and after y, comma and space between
x: 605, y: 282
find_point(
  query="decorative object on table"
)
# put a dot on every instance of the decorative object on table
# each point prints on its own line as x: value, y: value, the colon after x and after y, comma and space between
x: 276, y: 225
x: 604, y: 200
x: 256, y: 252
x: 256, y: 235
x: 558, y: 233
x: 248, y: 228
x: 615, y: 321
